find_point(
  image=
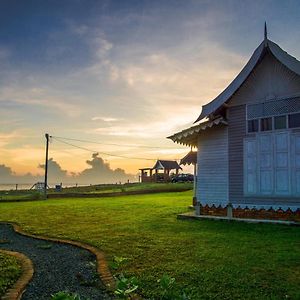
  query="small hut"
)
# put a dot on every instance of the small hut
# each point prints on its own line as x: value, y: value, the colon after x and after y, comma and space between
x: 160, y: 172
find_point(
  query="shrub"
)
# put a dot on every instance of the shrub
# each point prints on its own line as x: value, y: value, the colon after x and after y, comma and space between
x: 126, y: 287
x: 66, y: 296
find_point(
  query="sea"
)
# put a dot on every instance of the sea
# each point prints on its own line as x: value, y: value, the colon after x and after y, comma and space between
x: 27, y: 186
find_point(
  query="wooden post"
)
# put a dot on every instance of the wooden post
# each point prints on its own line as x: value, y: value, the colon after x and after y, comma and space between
x: 195, y: 185
x: 46, y: 165
x: 229, y: 210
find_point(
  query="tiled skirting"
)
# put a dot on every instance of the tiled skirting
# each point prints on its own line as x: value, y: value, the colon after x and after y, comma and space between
x: 248, y: 212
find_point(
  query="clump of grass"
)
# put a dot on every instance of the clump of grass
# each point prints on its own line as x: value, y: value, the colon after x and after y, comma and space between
x: 170, y: 289
x: 117, y: 262
x: 126, y: 287
x: 10, y: 271
x: 44, y: 246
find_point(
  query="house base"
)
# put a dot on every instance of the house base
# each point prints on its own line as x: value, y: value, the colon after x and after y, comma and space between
x: 249, y: 213
x: 193, y: 216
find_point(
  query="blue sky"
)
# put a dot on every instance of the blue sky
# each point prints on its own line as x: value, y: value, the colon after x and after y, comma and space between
x: 127, y: 72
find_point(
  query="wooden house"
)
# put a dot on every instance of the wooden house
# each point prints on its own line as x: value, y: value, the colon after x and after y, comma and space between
x: 249, y: 144
x: 160, y: 172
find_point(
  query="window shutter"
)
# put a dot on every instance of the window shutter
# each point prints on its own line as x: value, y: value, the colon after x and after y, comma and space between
x: 281, y: 167
x: 266, y: 164
x: 296, y: 164
x: 250, y: 166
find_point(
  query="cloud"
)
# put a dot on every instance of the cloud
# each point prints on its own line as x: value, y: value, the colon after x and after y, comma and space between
x: 98, y: 172
x: 5, y: 172
x: 8, y: 176
x: 56, y: 173
x: 105, y: 119
x: 102, y: 47
x: 118, y: 78
x: 37, y: 96
x: 8, y: 138
x: 101, y: 172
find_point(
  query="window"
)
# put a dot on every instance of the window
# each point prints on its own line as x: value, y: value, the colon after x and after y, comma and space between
x: 253, y: 126
x: 274, y: 123
x: 272, y: 164
x: 294, y: 120
x: 266, y: 124
x: 280, y: 122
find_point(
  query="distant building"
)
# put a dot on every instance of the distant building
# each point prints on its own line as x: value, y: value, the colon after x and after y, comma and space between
x: 248, y: 160
x: 160, y: 172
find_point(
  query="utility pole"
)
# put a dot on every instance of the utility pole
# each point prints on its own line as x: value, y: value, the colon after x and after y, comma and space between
x: 46, y: 165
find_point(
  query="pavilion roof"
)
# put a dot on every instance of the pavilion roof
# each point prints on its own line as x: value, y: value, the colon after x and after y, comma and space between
x: 190, y: 158
x: 166, y: 164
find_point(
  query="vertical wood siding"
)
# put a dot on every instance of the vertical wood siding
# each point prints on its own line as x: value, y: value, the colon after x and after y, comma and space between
x: 236, y: 134
x: 212, y: 180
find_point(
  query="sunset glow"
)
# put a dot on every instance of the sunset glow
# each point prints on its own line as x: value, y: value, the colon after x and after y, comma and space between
x: 128, y: 73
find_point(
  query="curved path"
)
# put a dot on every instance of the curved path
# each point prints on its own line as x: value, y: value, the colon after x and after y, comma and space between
x: 57, y: 267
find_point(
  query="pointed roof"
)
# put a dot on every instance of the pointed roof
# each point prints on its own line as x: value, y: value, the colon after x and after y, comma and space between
x: 267, y: 45
x: 166, y: 164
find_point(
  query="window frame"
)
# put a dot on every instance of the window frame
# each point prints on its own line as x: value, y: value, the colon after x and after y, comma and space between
x: 273, y: 122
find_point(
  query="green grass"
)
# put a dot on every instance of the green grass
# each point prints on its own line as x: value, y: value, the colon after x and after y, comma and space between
x: 127, y: 187
x: 95, y: 190
x: 10, y: 271
x: 209, y: 259
x: 20, y: 195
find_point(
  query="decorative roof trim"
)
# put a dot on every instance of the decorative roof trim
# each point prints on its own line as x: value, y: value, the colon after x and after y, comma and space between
x: 287, y: 60
x: 183, y: 136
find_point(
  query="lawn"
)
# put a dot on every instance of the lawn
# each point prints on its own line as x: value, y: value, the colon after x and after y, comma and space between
x: 209, y: 259
x: 96, y: 190
x: 127, y: 187
x: 10, y: 270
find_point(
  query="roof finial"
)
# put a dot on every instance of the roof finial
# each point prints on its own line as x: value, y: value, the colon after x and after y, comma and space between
x: 266, y: 33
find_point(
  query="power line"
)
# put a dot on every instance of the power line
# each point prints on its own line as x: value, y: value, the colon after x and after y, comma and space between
x: 103, y: 153
x: 110, y: 144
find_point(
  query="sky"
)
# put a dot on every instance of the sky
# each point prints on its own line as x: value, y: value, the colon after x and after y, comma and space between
x: 120, y: 75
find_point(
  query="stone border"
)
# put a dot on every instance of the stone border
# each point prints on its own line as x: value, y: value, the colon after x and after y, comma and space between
x: 102, y: 266
x: 17, y: 290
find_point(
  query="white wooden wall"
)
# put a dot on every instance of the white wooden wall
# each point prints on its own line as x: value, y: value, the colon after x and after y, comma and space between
x: 212, y: 180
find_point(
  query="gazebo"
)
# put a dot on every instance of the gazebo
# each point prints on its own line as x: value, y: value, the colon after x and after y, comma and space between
x: 154, y: 174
